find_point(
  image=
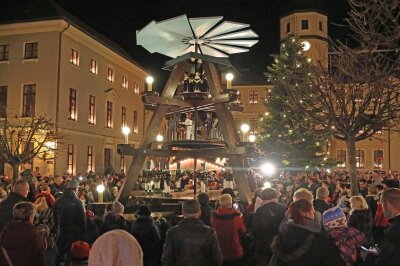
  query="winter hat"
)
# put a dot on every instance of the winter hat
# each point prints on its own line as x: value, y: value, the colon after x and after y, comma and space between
x: 117, y: 207
x: 116, y: 247
x: 334, y: 218
x: 73, y: 184
x: 89, y: 214
x: 80, y: 251
x: 143, y: 210
x: 226, y: 200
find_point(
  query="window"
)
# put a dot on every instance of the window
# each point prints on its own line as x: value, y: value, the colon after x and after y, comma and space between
x: 122, y: 163
x: 123, y: 116
x: 135, y: 122
x: 109, y: 122
x: 253, y: 125
x: 72, y: 106
x: 253, y: 97
x: 3, y: 101
x: 110, y: 74
x: 74, y: 57
x: 93, y: 66
x: 304, y: 24
x: 4, y: 52
x: 28, y: 104
x: 136, y: 87
x: 341, y: 158
x: 70, y: 159
x: 360, y: 159
x: 124, y: 82
x: 107, y: 157
x: 31, y: 50
x: 321, y: 28
x: 90, y: 166
x: 288, y: 27
x: 378, y: 159
x: 92, y: 110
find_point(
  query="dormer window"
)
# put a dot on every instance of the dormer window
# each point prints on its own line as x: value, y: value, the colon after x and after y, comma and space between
x: 304, y: 24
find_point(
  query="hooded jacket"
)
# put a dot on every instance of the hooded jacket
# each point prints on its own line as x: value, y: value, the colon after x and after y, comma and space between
x: 229, y: 226
x: 23, y: 244
x: 6, y: 208
x: 303, y: 245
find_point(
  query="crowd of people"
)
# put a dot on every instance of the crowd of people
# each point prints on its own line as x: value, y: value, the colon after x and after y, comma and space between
x: 309, y: 218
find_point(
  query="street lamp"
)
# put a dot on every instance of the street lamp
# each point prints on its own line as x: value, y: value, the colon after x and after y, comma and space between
x: 159, y: 137
x: 229, y: 78
x: 244, y: 128
x: 100, y: 189
x: 252, y: 138
x: 126, y: 130
x: 149, y: 81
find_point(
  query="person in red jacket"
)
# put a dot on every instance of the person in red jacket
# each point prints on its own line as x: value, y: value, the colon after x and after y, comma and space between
x: 229, y: 226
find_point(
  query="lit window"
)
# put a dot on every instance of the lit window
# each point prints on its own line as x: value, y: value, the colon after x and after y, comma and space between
x: 3, y: 101
x: 341, y: 158
x: 4, y: 52
x: 124, y: 82
x: 136, y: 87
x: 72, y: 106
x: 253, y: 126
x: 360, y: 159
x: 74, y: 57
x: 123, y: 116
x: 93, y: 66
x: 109, y: 122
x: 378, y: 159
x: 92, y: 110
x: 90, y: 165
x: 253, y: 97
x: 135, y: 122
x: 110, y: 74
x: 304, y: 24
x: 29, y: 99
x: 321, y: 28
x: 70, y: 159
x: 31, y: 50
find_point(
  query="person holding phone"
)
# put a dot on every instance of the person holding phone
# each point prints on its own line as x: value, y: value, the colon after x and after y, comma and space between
x: 388, y: 253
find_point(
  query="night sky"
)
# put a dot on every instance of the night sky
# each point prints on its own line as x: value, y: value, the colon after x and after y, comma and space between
x: 119, y: 19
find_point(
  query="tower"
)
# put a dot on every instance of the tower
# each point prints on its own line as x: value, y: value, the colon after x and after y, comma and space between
x: 312, y: 28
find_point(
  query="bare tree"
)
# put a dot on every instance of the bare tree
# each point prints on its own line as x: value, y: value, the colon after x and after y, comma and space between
x: 23, y: 139
x: 358, y: 94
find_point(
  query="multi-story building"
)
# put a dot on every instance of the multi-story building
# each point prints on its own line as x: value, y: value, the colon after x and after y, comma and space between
x: 84, y: 83
x: 380, y: 152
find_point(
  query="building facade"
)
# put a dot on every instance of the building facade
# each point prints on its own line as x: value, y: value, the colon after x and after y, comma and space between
x: 380, y: 152
x: 80, y: 81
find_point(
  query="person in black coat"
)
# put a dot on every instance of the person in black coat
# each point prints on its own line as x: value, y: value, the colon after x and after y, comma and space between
x: 191, y: 242
x: 19, y: 193
x: 320, y: 203
x: 301, y: 244
x: 360, y: 217
x: 115, y: 219
x: 266, y: 223
x: 206, y: 210
x: 70, y: 220
x: 146, y: 233
x: 388, y: 253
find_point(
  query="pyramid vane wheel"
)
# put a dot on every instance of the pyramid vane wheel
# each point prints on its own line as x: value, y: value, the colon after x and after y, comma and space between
x: 177, y: 36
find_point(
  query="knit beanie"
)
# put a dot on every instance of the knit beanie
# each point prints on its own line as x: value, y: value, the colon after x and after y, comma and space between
x: 334, y: 218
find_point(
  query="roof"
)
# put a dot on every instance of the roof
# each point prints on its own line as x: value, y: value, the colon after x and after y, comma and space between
x: 42, y: 10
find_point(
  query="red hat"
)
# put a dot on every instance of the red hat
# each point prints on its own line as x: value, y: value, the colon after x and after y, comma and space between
x: 80, y: 250
x: 89, y: 214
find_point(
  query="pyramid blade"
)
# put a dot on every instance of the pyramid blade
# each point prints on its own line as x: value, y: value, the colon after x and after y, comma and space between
x: 243, y: 43
x: 201, y: 26
x: 225, y: 27
x: 237, y: 35
x: 212, y: 52
x: 228, y: 49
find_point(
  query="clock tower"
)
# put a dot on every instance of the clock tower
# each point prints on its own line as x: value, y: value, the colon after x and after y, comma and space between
x: 311, y: 27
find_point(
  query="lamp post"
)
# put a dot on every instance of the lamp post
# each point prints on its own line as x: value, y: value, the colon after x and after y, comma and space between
x: 100, y: 189
x: 126, y: 130
x: 149, y: 81
x: 229, y: 78
x: 244, y: 128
